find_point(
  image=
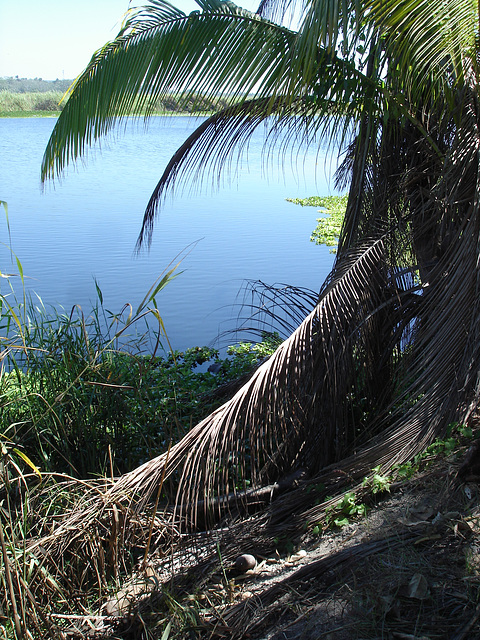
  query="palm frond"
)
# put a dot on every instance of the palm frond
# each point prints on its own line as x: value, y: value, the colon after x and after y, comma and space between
x: 271, y: 308
x: 226, y: 52
x: 279, y: 11
x: 212, y: 147
x: 299, y: 410
x: 438, y: 45
x: 271, y: 417
x: 327, y: 115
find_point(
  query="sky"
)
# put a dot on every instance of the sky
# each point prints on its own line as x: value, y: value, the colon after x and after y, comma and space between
x: 53, y: 39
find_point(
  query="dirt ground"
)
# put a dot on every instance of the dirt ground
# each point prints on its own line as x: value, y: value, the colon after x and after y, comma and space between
x: 408, y: 570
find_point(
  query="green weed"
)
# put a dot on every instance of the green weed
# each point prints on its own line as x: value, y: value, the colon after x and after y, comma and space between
x: 377, y: 482
x: 348, y: 507
x: 342, y: 512
x: 327, y: 231
x: 34, y: 103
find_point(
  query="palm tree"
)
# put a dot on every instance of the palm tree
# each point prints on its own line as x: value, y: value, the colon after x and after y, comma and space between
x: 390, y: 355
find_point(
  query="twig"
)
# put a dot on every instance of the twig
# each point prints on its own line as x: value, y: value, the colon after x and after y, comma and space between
x: 83, y: 616
x: 466, y: 629
x: 8, y: 577
x: 147, y: 549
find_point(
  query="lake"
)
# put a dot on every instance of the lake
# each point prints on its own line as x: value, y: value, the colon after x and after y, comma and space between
x: 85, y: 226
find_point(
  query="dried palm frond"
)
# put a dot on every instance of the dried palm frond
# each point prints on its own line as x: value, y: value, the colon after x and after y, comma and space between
x: 390, y: 353
x: 295, y: 412
x: 271, y: 308
x: 241, y: 617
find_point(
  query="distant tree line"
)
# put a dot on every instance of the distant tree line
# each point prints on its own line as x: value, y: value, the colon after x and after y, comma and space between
x: 26, y: 96
x: 33, y: 85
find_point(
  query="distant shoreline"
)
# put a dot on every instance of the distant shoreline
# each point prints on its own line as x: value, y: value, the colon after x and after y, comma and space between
x: 46, y: 104
x: 30, y: 114
x: 55, y: 114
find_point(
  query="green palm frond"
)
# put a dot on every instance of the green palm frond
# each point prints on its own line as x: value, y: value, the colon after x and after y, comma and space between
x: 280, y: 11
x: 324, y: 24
x: 326, y: 115
x: 226, y: 52
x: 226, y: 134
x: 391, y: 352
x: 437, y: 49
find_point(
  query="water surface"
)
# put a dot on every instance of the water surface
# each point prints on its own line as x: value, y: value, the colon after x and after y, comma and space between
x: 85, y: 226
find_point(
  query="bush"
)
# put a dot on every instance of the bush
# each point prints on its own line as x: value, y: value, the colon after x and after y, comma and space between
x: 81, y: 404
x: 11, y: 102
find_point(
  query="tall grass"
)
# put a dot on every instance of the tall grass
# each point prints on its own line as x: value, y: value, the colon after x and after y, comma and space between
x: 83, y: 398
x: 82, y: 402
x: 84, y: 394
x: 36, y: 102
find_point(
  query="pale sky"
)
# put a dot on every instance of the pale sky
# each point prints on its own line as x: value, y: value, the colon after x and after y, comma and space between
x: 52, y: 39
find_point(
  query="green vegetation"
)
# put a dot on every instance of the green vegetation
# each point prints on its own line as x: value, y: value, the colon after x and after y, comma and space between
x: 373, y: 376
x: 327, y: 231
x: 80, y: 396
x: 344, y: 510
x: 15, y: 104
x: 30, y: 104
x: 353, y: 504
x: 25, y: 97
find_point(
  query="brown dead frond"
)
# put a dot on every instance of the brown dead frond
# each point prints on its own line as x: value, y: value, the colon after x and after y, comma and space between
x: 387, y: 358
x: 246, y: 617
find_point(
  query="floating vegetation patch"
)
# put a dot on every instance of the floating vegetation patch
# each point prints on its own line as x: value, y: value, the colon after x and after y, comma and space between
x: 328, y: 227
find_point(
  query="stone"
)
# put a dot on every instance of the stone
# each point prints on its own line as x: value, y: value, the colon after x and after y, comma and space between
x: 245, y: 562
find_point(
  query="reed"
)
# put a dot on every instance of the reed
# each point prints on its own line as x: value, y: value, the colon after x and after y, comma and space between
x: 85, y: 397
x: 89, y: 394
x: 35, y: 103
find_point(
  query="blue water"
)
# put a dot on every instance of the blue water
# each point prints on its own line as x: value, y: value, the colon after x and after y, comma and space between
x: 85, y: 226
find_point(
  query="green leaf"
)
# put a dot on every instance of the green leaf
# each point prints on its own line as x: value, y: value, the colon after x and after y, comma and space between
x: 341, y: 522
x: 99, y: 292
x: 27, y: 461
x: 166, y: 632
